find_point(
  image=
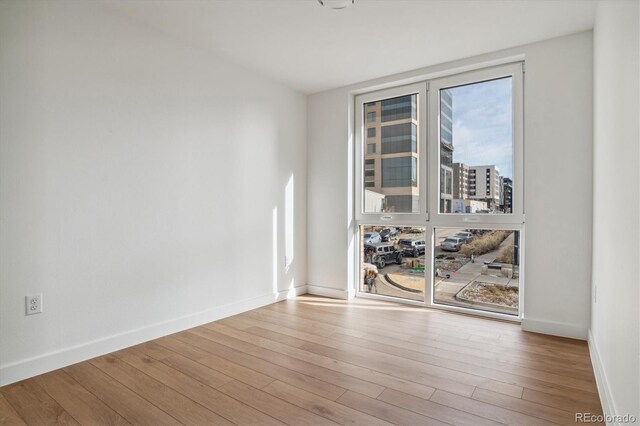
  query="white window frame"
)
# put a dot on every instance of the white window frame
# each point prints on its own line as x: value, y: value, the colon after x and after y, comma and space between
x: 516, y: 217
x: 429, y: 171
x: 361, y: 148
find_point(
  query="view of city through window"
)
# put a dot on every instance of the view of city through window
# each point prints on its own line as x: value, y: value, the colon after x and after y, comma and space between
x: 476, y: 148
x: 472, y: 268
x: 476, y: 151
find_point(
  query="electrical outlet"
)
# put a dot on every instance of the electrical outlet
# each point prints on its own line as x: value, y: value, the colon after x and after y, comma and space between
x: 34, y: 304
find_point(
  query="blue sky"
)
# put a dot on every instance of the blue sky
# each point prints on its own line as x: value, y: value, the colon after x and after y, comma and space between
x: 482, y: 133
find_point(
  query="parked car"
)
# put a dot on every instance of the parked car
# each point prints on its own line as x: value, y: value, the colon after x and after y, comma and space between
x: 452, y: 244
x: 466, y: 236
x: 388, y: 233
x: 412, y: 248
x: 380, y: 254
x: 372, y: 237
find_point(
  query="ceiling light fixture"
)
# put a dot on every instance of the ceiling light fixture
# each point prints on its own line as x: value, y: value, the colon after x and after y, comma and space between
x: 336, y: 4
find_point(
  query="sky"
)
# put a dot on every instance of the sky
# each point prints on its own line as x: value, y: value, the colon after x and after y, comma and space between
x: 482, y: 133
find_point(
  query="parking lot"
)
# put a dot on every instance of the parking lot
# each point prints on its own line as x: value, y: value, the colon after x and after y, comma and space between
x: 407, y: 280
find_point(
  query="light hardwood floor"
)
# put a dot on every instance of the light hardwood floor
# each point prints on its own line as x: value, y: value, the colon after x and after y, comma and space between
x: 318, y: 361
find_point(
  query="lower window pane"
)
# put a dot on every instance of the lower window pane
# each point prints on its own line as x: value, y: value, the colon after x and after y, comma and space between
x: 477, y: 269
x: 392, y: 261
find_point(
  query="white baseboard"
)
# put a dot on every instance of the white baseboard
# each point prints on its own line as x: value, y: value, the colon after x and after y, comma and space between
x: 606, y: 398
x: 562, y: 329
x: 23, y: 369
x: 331, y: 292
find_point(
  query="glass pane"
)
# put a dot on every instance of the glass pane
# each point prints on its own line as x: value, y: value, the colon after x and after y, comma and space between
x: 392, y: 261
x: 477, y: 269
x: 390, y: 179
x: 476, y: 148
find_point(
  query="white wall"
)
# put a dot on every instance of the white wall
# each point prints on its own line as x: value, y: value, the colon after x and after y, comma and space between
x: 139, y: 179
x: 558, y: 174
x: 615, y: 324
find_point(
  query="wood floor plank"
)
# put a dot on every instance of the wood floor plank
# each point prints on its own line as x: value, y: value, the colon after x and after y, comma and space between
x: 452, y: 383
x: 470, y: 372
x: 573, y: 402
x: 528, y: 350
x: 318, y: 371
x: 338, y: 316
x: 470, y: 362
x: 293, y: 329
x: 506, y: 388
x: 383, y: 320
x: 473, y: 363
x: 8, y: 415
x: 561, y: 366
x: 273, y: 406
x: 275, y: 371
x: 407, y: 334
x: 248, y: 326
x: 363, y: 373
x: 214, y: 400
x: 84, y: 406
x: 183, y: 409
x: 35, y: 405
x: 434, y: 410
x: 194, y: 369
x: 523, y: 406
x: 214, y: 362
x: 322, y: 406
x: 385, y: 411
x: 131, y: 406
x: 482, y: 409
x: 462, y: 352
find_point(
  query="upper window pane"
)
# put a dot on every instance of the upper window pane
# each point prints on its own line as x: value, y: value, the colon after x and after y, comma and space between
x: 476, y: 147
x: 391, y: 184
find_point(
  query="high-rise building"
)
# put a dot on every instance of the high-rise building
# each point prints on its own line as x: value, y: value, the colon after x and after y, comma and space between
x: 446, y: 151
x: 391, y: 153
x: 506, y: 195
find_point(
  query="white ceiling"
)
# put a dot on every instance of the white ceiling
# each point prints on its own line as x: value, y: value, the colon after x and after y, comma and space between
x: 312, y: 48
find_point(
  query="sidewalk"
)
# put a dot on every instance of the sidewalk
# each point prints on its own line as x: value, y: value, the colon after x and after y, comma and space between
x: 446, y: 289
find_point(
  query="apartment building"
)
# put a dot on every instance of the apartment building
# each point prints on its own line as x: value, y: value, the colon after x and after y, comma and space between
x: 480, y: 183
x: 484, y: 185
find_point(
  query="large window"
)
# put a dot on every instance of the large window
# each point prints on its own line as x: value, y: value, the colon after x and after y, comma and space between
x: 443, y: 191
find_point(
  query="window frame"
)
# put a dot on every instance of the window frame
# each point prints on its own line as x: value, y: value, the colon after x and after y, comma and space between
x: 474, y: 219
x: 430, y: 217
x: 360, y: 139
